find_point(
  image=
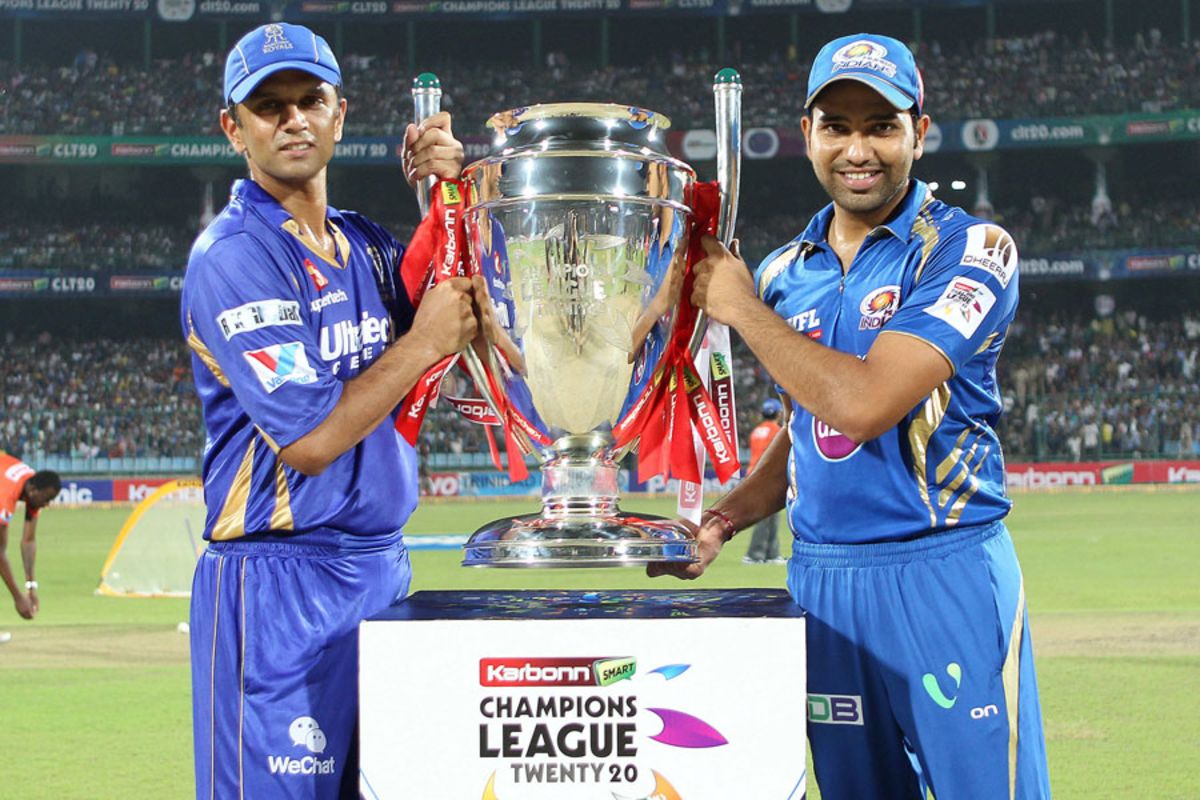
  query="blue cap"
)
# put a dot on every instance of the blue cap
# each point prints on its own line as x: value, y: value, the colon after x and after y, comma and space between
x: 881, y: 62
x: 771, y: 407
x: 273, y: 48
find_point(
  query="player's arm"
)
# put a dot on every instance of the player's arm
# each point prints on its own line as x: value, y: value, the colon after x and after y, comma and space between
x: 6, y: 574
x: 444, y: 324
x: 761, y: 494
x: 28, y: 556
x: 861, y: 398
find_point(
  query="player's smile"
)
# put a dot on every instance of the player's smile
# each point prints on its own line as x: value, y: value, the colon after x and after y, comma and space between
x: 860, y: 180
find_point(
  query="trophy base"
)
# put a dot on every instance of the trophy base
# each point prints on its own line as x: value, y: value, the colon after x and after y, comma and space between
x: 610, y: 540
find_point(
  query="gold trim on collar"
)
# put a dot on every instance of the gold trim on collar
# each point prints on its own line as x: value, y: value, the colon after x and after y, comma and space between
x: 339, y: 239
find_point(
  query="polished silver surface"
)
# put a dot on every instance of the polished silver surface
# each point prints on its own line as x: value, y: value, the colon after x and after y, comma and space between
x: 578, y: 220
x: 427, y: 101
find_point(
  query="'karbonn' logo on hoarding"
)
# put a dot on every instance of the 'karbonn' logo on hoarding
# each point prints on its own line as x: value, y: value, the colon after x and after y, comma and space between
x: 555, y: 671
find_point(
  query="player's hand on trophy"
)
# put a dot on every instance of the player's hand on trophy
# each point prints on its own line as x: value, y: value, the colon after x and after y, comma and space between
x: 710, y: 538
x: 431, y: 149
x: 724, y: 286
x: 445, y: 321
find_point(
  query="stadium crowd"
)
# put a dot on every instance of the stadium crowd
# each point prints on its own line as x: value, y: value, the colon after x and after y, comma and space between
x: 1047, y: 74
x: 98, y: 398
x: 1046, y: 224
x: 1073, y: 388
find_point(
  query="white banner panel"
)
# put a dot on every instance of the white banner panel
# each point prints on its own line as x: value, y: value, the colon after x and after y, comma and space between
x: 584, y: 696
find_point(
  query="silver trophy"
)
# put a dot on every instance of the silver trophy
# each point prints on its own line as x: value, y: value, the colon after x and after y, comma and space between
x: 579, y: 222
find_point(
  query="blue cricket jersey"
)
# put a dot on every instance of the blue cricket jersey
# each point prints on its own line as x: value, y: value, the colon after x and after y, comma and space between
x: 275, y: 328
x: 935, y: 273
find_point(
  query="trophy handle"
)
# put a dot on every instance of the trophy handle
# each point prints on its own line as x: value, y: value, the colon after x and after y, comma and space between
x: 727, y: 99
x: 727, y: 96
x: 427, y: 101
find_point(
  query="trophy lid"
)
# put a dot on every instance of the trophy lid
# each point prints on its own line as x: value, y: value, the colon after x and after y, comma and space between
x: 575, y: 126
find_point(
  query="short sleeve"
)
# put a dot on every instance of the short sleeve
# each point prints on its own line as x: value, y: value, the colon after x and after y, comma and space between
x: 966, y: 294
x: 246, y: 314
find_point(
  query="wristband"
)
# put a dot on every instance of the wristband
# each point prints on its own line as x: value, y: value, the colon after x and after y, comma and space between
x: 728, y: 529
x: 31, y: 584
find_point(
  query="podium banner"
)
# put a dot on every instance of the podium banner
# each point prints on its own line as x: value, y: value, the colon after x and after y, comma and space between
x: 618, y: 695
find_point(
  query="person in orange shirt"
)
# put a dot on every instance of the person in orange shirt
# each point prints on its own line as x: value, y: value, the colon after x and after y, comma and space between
x: 18, y: 482
x: 764, y: 541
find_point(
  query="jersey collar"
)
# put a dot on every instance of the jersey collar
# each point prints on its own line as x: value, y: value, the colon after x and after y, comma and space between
x: 899, y: 224
x: 266, y: 206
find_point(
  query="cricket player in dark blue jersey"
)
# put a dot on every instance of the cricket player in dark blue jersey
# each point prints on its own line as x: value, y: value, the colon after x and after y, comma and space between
x: 303, y: 342
x: 882, y: 322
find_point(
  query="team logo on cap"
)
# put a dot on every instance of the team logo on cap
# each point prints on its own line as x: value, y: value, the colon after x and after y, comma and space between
x: 864, y: 54
x: 274, y: 39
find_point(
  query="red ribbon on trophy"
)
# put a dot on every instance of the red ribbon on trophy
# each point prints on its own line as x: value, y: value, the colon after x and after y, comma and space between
x: 437, y: 252
x: 674, y: 399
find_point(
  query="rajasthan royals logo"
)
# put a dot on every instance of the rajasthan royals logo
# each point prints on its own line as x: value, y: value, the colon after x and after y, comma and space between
x: 274, y: 39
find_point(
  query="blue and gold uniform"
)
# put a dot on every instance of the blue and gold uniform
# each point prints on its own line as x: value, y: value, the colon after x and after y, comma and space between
x: 920, y: 660
x: 294, y: 562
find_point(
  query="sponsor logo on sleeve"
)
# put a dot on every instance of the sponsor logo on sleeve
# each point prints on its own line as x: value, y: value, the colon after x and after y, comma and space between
x: 963, y: 305
x: 991, y: 249
x: 278, y: 364
x: 259, y: 314
x: 835, y: 709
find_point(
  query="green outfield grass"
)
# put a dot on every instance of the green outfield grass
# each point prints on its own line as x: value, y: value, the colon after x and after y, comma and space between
x: 94, y: 694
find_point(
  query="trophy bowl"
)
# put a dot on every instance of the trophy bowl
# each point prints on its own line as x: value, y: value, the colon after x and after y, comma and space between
x: 578, y: 221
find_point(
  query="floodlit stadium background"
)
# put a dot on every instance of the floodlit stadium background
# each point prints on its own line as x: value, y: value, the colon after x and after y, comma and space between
x: 1074, y: 124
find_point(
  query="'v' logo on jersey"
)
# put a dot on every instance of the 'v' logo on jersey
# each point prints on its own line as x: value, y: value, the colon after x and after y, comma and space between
x: 278, y: 364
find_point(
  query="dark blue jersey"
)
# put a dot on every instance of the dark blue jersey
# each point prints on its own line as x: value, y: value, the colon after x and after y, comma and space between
x: 935, y: 273
x: 275, y: 327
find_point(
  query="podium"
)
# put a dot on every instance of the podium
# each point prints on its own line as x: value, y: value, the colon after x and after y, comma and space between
x: 566, y: 695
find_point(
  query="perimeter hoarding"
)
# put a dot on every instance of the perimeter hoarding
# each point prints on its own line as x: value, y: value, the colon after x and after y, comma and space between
x: 1064, y: 474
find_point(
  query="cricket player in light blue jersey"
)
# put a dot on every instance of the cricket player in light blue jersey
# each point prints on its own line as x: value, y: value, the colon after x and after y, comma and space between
x: 303, y: 342
x: 882, y: 322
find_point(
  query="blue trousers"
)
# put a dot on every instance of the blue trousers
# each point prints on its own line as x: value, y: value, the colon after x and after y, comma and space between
x: 274, y: 639
x: 920, y: 669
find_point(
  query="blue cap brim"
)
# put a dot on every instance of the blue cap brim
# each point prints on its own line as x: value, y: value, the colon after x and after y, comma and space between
x: 898, y: 99
x: 248, y: 84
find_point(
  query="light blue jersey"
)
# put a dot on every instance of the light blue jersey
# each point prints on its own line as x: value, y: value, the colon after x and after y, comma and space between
x: 935, y: 273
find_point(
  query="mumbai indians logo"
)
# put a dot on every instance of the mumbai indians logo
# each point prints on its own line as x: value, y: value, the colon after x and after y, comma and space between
x: 878, y: 307
x: 275, y: 40
x: 864, y: 55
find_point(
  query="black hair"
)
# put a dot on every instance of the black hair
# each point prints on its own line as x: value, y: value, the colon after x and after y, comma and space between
x: 46, y: 479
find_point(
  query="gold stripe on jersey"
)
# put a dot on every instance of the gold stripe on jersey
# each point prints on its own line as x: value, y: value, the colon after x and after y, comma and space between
x: 271, y: 443
x: 281, y: 518
x: 987, y: 342
x: 232, y: 521
x: 923, y: 226
x: 957, y: 459
x: 972, y: 487
x: 776, y: 267
x: 920, y: 431
x: 201, y: 349
x: 339, y: 239
x: 1010, y: 676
